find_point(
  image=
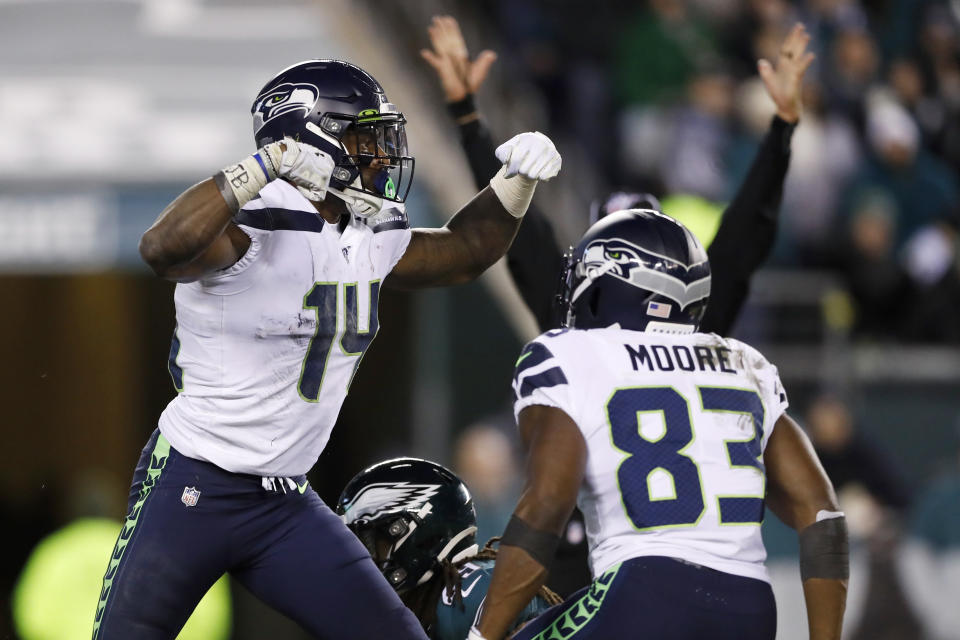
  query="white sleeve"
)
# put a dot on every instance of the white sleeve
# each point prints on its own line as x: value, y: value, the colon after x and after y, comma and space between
x: 775, y: 396
x: 767, y: 379
x: 398, y: 241
x: 391, y: 235
x: 772, y: 393
x: 240, y: 275
x: 539, y: 379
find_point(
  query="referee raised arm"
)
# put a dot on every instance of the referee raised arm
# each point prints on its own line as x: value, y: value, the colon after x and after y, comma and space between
x: 747, y: 230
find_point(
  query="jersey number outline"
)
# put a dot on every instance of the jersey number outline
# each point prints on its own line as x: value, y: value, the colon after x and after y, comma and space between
x: 666, y: 453
x: 324, y: 298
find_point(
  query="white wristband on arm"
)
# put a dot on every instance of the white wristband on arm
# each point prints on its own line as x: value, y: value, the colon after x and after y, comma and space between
x: 515, y: 192
x: 240, y: 183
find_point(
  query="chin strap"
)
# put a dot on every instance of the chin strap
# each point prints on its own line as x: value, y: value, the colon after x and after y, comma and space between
x: 359, y: 203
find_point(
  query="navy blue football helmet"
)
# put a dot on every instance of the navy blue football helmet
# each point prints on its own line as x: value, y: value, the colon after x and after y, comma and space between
x: 340, y: 109
x: 411, y: 515
x: 639, y: 269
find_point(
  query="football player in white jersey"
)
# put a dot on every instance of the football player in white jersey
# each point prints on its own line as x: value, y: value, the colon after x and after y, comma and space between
x: 280, y: 260
x: 671, y: 442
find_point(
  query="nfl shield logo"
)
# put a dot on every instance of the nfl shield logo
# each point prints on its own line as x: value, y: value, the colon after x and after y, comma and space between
x: 190, y: 496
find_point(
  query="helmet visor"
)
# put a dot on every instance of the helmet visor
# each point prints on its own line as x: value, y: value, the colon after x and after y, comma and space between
x: 377, y: 153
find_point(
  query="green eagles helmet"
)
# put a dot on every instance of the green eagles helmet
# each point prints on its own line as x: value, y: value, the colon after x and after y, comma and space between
x: 411, y: 514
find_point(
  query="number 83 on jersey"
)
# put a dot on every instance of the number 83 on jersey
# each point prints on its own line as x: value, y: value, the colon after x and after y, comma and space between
x: 660, y: 480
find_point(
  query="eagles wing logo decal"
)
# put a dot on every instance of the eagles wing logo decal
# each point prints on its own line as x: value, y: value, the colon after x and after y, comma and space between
x: 282, y: 99
x: 382, y: 498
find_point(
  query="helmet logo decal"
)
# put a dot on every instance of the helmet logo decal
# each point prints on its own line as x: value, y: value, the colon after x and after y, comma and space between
x: 384, y: 498
x: 368, y: 115
x: 623, y: 256
x: 684, y: 284
x: 282, y: 99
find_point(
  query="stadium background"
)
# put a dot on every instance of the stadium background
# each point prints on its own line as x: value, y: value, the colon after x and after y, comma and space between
x: 109, y: 108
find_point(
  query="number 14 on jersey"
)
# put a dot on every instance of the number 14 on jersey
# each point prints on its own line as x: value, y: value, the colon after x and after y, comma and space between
x: 325, y: 299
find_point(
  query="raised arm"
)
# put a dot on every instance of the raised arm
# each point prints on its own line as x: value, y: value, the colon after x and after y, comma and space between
x: 534, y: 258
x: 800, y: 494
x: 481, y: 232
x: 194, y: 235
x: 749, y: 226
x: 556, y: 460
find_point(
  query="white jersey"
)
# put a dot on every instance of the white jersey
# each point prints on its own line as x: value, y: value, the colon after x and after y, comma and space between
x: 675, y: 427
x: 265, y: 350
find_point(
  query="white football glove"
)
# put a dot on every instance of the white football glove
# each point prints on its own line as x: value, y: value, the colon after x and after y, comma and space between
x: 531, y: 155
x: 527, y: 159
x: 307, y: 167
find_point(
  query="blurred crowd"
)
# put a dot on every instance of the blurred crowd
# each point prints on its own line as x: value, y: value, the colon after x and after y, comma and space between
x: 664, y: 96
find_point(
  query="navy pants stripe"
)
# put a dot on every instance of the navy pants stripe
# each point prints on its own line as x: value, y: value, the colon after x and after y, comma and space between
x: 289, y: 549
x: 663, y: 598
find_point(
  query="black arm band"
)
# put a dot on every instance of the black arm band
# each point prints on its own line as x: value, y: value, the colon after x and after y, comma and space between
x: 462, y: 108
x: 825, y: 550
x: 783, y: 132
x: 541, y: 545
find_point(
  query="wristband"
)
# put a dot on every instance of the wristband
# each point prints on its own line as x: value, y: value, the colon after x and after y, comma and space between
x: 824, y: 548
x: 240, y: 183
x: 515, y: 192
x: 464, y: 110
x: 540, y: 545
x: 784, y: 131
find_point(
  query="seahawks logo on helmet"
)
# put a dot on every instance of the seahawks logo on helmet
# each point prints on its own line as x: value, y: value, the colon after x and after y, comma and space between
x: 621, y: 253
x: 647, y: 270
x: 284, y: 98
x: 383, y: 498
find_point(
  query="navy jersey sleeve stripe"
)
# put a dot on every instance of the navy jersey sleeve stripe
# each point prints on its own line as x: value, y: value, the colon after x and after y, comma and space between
x: 533, y: 354
x: 549, y: 378
x: 388, y: 220
x: 273, y: 219
x: 391, y: 226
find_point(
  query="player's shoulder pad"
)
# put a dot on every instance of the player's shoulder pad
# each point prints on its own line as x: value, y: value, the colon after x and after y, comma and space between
x: 538, y: 367
x: 751, y: 356
x: 767, y: 373
x: 280, y: 207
